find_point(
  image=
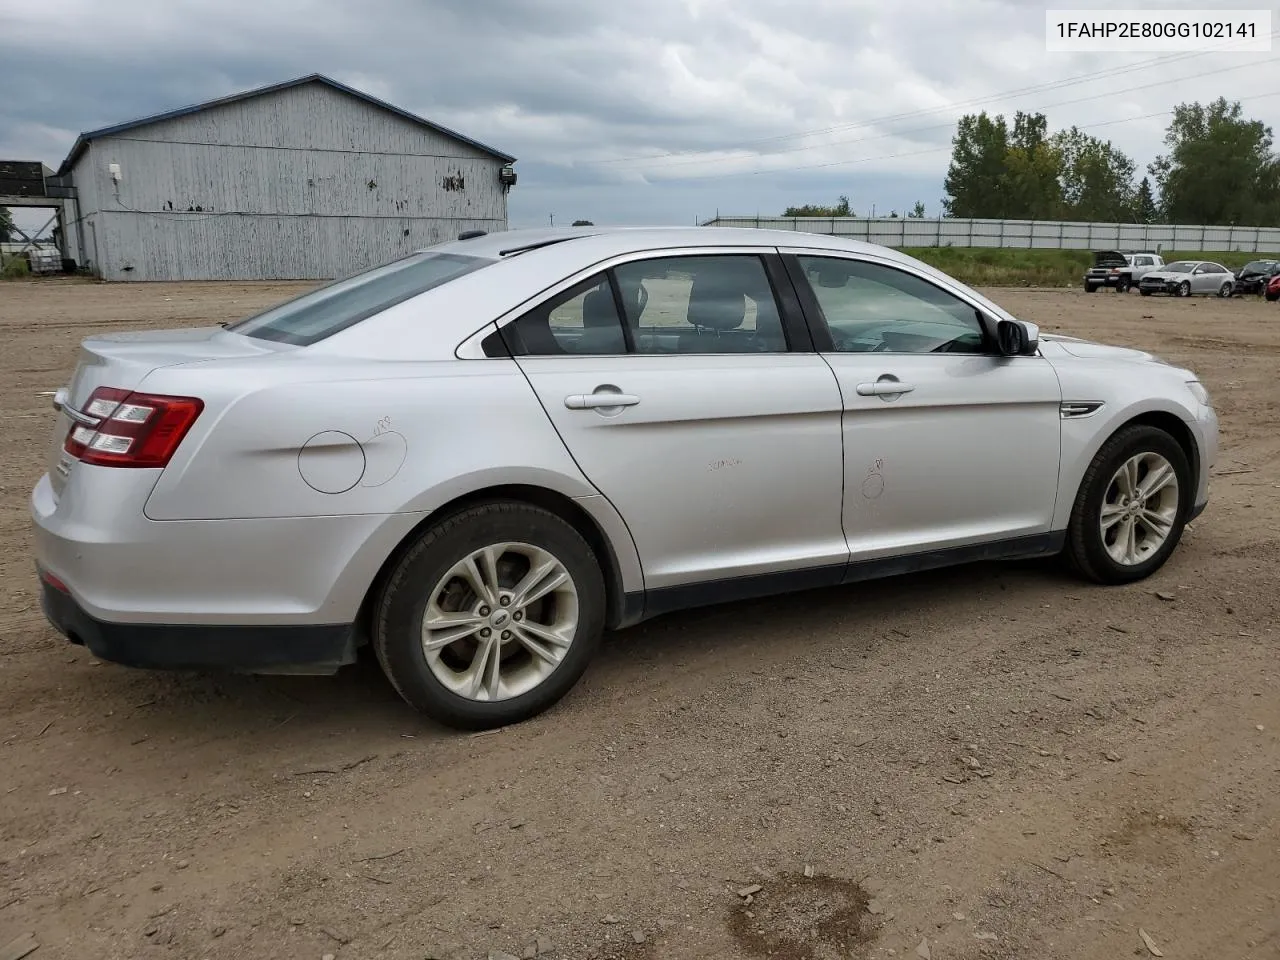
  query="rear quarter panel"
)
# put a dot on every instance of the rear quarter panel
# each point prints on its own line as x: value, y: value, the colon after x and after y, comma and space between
x: 310, y: 442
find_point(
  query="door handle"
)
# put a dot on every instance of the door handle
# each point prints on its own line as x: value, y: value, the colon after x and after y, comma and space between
x: 594, y: 401
x: 883, y: 388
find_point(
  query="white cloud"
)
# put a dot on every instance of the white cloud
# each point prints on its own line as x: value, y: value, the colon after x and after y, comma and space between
x: 738, y: 103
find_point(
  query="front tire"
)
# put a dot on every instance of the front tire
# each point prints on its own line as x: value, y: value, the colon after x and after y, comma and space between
x: 1131, y: 507
x: 1090, y: 288
x: 1184, y: 288
x: 1122, y: 285
x: 1145, y: 293
x: 491, y: 616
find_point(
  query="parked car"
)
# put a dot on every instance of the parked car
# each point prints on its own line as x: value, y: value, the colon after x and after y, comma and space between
x: 478, y: 457
x: 1272, y: 292
x: 1111, y: 268
x: 1186, y: 278
x: 1253, y: 277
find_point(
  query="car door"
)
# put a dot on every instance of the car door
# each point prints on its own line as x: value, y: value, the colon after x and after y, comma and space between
x: 947, y: 444
x: 1204, y: 279
x: 687, y: 392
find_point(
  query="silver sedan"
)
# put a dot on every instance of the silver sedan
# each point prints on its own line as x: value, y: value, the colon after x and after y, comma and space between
x: 479, y: 457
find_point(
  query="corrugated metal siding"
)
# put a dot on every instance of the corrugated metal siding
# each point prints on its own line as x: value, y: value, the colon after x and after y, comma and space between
x: 310, y: 117
x: 308, y: 184
x: 159, y: 177
x: 141, y: 247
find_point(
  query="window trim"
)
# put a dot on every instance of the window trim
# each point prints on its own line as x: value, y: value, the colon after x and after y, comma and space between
x: 817, y: 321
x: 795, y: 327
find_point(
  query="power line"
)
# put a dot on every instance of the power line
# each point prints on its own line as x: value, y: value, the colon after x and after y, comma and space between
x: 942, y: 126
x: 976, y: 101
x: 928, y: 150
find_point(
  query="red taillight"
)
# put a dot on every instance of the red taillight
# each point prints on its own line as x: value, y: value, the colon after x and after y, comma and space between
x: 53, y: 581
x: 134, y: 429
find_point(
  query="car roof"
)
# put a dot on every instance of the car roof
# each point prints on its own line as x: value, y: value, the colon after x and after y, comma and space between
x: 626, y: 239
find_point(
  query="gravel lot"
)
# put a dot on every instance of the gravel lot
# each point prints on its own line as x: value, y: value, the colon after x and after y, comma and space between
x: 996, y: 761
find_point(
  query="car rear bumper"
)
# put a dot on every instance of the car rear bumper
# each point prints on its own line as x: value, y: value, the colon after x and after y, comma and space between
x: 321, y: 648
x: 121, y: 568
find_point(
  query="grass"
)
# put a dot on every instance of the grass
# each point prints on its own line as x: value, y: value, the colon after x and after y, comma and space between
x: 14, y: 267
x: 1006, y: 267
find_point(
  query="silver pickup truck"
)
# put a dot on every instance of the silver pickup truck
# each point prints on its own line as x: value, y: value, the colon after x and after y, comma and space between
x: 1113, y: 268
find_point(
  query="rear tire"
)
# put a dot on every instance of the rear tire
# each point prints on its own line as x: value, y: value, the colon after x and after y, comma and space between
x: 1272, y: 297
x: 1100, y: 554
x: 475, y: 683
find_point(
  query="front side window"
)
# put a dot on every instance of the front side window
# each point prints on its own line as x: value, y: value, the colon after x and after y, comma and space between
x: 323, y: 312
x: 702, y: 304
x: 868, y: 307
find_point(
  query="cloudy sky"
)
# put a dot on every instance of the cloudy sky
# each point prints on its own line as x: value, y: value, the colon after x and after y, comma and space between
x: 656, y: 111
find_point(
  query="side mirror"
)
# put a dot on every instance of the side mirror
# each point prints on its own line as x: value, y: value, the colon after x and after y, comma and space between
x: 1015, y: 339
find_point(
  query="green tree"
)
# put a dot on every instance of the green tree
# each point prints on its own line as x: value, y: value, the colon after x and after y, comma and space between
x: 1144, y: 203
x: 6, y: 225
x: 917, y: 212
x: 975, y: 177
x: 1097, y: 178
x: 1032, y: 176
x: 841, y: 209
x: 1220, y: 168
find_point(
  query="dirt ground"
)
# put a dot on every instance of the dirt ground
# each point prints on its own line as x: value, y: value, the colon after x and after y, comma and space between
x: 988, y: 762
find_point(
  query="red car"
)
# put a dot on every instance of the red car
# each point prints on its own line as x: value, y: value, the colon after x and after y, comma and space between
x: 1273, y: 288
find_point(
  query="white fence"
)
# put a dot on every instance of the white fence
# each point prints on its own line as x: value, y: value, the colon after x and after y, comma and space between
x: 1040, y: 234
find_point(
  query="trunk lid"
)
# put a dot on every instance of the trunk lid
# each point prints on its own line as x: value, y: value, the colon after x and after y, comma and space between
x: 123, y: 360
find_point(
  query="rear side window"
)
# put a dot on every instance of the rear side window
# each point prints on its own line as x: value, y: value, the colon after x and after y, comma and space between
x: 323, y: 312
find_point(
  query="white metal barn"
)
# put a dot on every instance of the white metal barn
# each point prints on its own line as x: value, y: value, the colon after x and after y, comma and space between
x: 307, y: 179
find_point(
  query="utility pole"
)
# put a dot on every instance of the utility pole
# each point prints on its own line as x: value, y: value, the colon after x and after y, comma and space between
x: 553, y: 219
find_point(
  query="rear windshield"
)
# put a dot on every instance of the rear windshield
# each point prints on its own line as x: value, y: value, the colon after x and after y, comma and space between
x: 335, y: 306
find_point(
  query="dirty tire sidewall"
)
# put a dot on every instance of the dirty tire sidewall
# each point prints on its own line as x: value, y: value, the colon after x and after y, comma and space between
x: 1085, y: 547
x: 398, y: 613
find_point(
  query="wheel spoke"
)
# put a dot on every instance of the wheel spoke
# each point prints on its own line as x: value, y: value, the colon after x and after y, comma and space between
x: 1112, y: 513
x: 485, y: 590
x: 1127, y: 478
x: 1157, y: 480
x: 542, y: 578
x: 441, y: 629
x: 482, y: 674
x: 543, y: 653
x: 1130, y: 535
x: 1157, y: 523
x: 545, y: 634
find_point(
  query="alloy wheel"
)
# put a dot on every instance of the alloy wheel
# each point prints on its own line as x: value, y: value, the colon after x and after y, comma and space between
x: 500, y: 621
x: 1139, y: 508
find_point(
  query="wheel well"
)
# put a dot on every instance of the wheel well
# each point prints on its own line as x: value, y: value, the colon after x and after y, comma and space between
x: 1176, y: 428
x: 556, y: 503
